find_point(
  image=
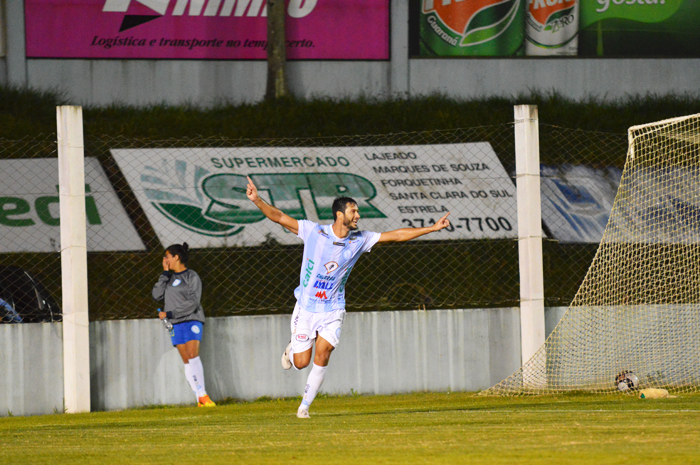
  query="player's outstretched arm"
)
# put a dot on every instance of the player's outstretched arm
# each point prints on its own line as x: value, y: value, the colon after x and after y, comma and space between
x: 270, y: 211
x: 406, y: 234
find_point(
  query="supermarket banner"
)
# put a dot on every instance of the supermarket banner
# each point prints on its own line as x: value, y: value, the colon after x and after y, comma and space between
x: 198, y: 195
x: 204, y: 29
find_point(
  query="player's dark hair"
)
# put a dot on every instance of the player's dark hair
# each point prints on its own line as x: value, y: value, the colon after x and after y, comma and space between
x: 340, y: 205
x: 181, y: 250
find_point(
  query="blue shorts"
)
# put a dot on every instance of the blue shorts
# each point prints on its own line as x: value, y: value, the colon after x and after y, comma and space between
x: 186, y: 331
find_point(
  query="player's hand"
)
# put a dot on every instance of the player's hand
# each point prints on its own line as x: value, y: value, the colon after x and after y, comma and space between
x: 251, y: 190
x: 166, y: 264
x: 442, y: 222
x: 162, y: 315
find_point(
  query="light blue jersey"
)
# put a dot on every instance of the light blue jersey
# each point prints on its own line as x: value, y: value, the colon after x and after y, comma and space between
x: 326, y: 265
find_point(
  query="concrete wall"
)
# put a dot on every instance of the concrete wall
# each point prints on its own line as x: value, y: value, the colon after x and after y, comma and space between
x: 31, y: 369
x: 133, y: 363
x: 204, y: 83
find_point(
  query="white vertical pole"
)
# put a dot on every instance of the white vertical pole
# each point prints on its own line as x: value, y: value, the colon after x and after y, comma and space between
x: 399, y: 71
x: 71, y: 182
x: 15, y: 45
x: 527, y: 163
x: 3, y: 28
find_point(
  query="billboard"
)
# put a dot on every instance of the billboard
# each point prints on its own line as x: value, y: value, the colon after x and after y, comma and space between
x: 590, y: 28
x: 204, y: 29
x: 29, y: 209
x: 474, y: 28
x: 198, y: 194
x: 649, y: 28
x: 576, y: 201
x: 661, y: 206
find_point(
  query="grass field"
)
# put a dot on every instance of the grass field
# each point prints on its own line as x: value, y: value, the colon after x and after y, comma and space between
x: 417, y: 428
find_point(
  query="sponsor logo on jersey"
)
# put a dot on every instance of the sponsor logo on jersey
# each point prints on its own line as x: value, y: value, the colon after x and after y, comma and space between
x: 324, y: 277
x: 322, y: 232
x: 348, y: 253
x: 309, y: 270
x: 331, y: 267
x: 176, y: 282
x: 323, y: 284
x: 302, y: 337
x: 339, y: 244
x: 321, y: 295
x: 341, y: 288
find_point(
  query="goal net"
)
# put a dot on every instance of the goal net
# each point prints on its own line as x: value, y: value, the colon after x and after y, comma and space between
x: 638, y: 308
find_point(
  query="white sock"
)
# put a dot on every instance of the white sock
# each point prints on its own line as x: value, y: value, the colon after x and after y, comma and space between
x: 313, y: 384
x: 190, y: 379
x: 198, y: 376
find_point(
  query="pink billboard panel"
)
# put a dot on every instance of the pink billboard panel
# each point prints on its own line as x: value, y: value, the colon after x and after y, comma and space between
x: 204, y: 29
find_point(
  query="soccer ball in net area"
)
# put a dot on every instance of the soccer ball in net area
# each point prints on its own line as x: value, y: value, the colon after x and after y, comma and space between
x: 626, y: 380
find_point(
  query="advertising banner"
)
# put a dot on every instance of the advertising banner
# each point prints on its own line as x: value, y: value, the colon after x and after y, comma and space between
x: 204, y: 29
x: 653, y: 213
x: 551, y: 27
x: 641, y: 28
x: 472, y: 28
x: 199, y: 195
x: 29, y: 209
x: 576, y: 201
x: 602, y: 28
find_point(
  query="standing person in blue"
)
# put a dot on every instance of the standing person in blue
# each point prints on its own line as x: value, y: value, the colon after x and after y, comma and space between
x: 330, y: 252
x: 180, y: 289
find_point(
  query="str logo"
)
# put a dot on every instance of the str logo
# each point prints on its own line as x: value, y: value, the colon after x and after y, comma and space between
x: 216, y: 205
x: 321, y: 295
x: 221, y: 8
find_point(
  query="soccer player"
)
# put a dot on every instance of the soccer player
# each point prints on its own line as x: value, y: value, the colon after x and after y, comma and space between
x: 330, y: 252
x: 180, y: 289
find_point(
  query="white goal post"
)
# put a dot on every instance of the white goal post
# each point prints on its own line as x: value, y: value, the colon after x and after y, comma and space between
x: 638, y: 308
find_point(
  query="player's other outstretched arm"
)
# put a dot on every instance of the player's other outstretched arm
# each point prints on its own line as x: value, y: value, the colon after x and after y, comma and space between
x: 270, y: 211
x: 406, y: 234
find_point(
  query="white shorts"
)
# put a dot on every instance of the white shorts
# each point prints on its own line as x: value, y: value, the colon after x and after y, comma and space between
x: 305, y: 325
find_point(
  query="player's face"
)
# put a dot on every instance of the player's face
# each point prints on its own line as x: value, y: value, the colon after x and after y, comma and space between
x: 352, y: 216
x: 171, y: 259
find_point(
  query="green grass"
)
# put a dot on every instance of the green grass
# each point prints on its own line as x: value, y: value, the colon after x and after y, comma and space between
x: 27, y: 112
x: 418, y: 428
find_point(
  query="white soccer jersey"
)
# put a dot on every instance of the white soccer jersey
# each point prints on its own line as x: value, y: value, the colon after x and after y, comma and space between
x: 326, y: 265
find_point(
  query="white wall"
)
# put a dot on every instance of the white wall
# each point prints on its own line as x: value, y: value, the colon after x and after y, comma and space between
x: 133, y: 364
x: 31, y: 369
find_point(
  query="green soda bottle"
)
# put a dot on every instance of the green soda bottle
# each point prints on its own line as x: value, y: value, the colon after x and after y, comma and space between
x: 472, y: 28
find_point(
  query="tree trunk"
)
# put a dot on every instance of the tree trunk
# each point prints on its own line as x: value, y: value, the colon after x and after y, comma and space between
x: 276, y: 51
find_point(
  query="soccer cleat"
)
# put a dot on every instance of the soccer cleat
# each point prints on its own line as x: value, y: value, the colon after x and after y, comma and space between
x: 286, y: 363
x: 205, y: 401
x: 303, y: 413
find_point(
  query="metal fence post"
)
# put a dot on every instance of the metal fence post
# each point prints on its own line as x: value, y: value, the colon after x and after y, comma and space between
x: 71, y: 180
x: 527, y: 155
